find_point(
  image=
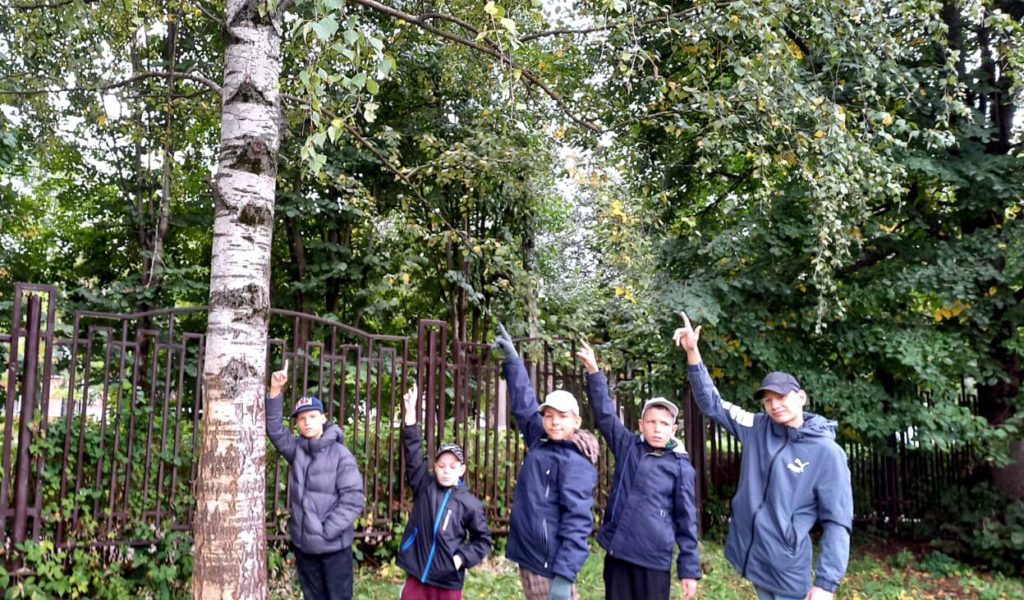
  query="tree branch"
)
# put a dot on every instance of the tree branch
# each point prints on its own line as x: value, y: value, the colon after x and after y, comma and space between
x: 209, y: 83
x: 390, y: 166
x: 649, y: 21
x: 46, y: 5
x: 423, y: 22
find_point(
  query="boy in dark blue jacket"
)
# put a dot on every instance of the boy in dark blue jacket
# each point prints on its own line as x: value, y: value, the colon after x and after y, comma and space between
x: 652, y: 499
x: 554, y: 497
x: 435, y: 551
x: 325, y: 489
x: 792, y: 475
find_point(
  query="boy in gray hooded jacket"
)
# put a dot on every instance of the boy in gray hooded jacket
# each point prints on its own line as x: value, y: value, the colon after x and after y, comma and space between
x: 325, y: 489
x: 792, y: 475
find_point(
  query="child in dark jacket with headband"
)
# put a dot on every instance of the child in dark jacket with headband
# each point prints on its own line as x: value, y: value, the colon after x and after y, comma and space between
x: 447, y: 531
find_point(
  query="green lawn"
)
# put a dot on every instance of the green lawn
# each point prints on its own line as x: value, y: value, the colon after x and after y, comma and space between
x: 876, y: 573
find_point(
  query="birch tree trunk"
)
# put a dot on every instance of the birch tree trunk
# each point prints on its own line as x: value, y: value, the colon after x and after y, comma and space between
x: 229, y: 526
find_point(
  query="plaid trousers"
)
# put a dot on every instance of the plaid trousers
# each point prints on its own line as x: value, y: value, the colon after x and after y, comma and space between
x: 538, y: 587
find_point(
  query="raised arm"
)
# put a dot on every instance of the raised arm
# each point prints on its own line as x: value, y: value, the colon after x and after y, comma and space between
x: 612, y: 429
x: 735, y: 419
x: 412, y: 442
x: 280, y: 437
x: 520, y: 390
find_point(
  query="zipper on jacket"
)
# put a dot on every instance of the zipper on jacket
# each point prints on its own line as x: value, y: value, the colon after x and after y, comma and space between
x: 412, y: 538
x: 433, y: 544
x: 544, y: 528
x: 764, y: 498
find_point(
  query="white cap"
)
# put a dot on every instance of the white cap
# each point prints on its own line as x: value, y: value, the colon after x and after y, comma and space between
x: 663, y: 403
x: 562, y: 401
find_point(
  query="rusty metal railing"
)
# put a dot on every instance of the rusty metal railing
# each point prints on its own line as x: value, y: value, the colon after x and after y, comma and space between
x: 100, y: 426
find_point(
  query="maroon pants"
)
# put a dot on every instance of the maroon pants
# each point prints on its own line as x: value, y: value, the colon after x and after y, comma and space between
x: 414, y: 590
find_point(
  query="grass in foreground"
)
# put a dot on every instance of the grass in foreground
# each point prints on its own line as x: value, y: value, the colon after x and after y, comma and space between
x: 876, y: 573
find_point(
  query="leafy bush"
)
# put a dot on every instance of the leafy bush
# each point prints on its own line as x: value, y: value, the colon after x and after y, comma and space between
x: 979, y: 525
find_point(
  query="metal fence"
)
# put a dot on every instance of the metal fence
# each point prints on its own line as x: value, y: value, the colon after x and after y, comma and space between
x: 101, y: 420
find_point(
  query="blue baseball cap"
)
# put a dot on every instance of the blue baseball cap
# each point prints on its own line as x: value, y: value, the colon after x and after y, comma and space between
x: 778, y: 382
x: 307, y: 403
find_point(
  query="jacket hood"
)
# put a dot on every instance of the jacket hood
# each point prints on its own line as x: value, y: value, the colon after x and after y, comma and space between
x: 818, y: 426
x: 675, y: 445
x: 332, y: 435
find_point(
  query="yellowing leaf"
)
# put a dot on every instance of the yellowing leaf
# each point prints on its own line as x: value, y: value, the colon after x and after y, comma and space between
x: 795, y: 50
x: 819, y: 134
x: 616, y: 210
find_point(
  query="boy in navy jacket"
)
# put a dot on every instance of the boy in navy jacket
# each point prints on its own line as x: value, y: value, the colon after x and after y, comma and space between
x: 325, y: 489
x: 652, y: 499
x: 554, y: 496
x: 447, y: 531
x: 792, y: 475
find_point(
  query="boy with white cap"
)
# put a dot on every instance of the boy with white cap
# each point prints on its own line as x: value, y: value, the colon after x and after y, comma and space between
x: 651, y: 505
x: 554, y: 496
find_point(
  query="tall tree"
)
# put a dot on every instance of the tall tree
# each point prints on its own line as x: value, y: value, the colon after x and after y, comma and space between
x: 840, y: 195
x: 230, y: 537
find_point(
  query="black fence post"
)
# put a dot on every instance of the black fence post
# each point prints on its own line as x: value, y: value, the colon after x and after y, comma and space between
x: 23, y: 466
x: 693, y: 428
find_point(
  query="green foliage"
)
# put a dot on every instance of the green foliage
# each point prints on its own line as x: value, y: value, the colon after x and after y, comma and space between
x: 978, y: 525
x: 161, y: 569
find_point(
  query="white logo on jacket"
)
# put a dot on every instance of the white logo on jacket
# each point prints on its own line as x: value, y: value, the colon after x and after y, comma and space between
x: 797, y: 466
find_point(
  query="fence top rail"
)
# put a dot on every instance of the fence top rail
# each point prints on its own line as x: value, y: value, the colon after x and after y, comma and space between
x: 342, y: 326
x: 123, y: 316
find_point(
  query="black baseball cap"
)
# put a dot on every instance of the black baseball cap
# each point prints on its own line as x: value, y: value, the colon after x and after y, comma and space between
x: 778, y: 382
x: 455, y: 449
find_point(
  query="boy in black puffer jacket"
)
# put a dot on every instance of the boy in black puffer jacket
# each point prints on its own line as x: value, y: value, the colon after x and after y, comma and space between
x: 325, y: 489
x: 435, y: 551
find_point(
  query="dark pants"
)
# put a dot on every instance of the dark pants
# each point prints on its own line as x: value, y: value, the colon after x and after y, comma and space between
x: 626, y: 581
x: 325, y: 576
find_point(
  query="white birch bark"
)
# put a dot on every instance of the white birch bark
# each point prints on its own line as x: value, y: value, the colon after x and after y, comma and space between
x: 229, y: 526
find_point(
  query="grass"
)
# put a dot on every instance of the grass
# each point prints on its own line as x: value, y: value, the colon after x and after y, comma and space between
x: 877, y: 572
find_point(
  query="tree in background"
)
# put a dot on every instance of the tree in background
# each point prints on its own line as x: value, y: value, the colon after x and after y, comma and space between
x: 134, y: 68
x: 833, y: 186
x: 839, y: 189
